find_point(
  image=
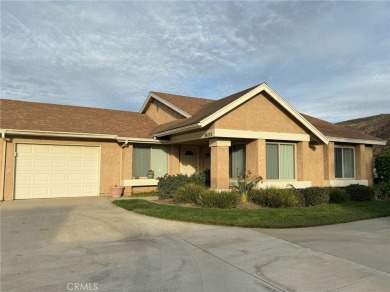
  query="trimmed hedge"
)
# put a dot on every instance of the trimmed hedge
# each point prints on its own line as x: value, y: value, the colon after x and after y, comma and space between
x: 189, y: 193
x: 382, y: 166
x: 360, y: 193
x: 382, y: 191
x: 338, y: 195
x: 169, y: 184
x: 276, y: 198
x: 221, y: 200
x: 316, y: 196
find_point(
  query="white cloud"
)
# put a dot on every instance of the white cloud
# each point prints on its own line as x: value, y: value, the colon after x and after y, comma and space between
x: 111, y: 54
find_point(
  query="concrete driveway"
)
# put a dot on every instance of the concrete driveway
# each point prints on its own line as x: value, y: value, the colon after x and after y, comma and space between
x: 90, y: 244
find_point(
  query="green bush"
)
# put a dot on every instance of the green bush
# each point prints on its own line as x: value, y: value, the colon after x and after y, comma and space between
x: 316, y: 196
x: 360, y: 193
x: 276, y: 198
x: 338, y: 195
x: 382, y: 191
x: 382, y: 166
x: 221, y: 200
x: 169, y: 184
x: 189, y: 193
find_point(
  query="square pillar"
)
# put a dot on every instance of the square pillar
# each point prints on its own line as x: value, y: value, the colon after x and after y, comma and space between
x: 329, y: 172
x: 303, y: 161
x: 255, y: 158
x: 360, y: 158
x: 219, y: 170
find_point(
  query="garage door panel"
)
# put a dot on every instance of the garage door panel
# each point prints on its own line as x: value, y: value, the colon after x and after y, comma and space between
x: 91, y: 164
x: 91, y: 152
x: 47, y: 171
x: 59, y: 163
x: 42, y: 177
x: 42, y: 149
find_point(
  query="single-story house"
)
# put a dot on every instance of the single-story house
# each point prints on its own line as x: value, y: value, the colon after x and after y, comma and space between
x: 49, y: 150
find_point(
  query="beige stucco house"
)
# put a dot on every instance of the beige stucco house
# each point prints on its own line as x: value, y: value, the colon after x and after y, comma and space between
x: 51, y: 150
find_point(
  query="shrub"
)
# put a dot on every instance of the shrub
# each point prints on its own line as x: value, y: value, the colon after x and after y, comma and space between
x: 169, y: 184
x: 275, y: 198
x: 382, y: 191
x: 189, y: 193
x: 316, y: 196
x: 360, y: 193
x: 382, y: 166
x: 338, y: 195
x: 221, y: 200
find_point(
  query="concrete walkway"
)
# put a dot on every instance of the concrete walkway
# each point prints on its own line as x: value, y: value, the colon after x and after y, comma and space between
x: 52, y: 245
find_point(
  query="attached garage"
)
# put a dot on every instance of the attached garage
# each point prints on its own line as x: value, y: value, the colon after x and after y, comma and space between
x: 51, y: 171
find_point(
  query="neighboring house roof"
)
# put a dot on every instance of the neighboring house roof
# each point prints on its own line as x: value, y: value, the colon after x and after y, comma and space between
x: 333, y: 131
x: 189, y: 104
x: 21, y: 115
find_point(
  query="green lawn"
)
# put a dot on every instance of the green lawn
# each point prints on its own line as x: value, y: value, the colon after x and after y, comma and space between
x: 264, y: 218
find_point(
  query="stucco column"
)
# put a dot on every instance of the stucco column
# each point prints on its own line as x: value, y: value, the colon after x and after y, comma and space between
x: 329, y: 173
x: 360, y: 158
x: 303, y: 161
x: 219, y: 170
x: 369, y: 157
x: 174, y: 159
x: 127, y: 166
x: 255, y: 158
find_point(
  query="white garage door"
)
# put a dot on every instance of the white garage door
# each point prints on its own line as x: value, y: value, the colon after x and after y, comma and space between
x: 50, y: 171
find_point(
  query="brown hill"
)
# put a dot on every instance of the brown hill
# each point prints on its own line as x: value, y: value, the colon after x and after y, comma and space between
x: 378, y: 126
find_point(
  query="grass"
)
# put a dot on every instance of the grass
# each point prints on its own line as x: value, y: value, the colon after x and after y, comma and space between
x: 263, y: 218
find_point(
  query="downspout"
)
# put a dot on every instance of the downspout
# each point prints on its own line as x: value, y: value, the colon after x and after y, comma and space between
x: 4, y: 154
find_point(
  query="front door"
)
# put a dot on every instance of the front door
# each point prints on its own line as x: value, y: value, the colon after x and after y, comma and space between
x: 189, y: 159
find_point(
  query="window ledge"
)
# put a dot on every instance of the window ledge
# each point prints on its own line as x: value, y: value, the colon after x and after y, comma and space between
x: 344, y: 182
x: 140, y: 182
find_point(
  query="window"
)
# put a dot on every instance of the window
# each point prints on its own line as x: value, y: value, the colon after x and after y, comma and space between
x: 236, y: 160
x: 280, y: 161
x: 150, y: 157
x: 344, y: 162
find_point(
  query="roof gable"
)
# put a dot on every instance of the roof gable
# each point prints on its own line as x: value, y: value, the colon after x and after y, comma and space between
x: 223, y: 106
x: 187, y: 106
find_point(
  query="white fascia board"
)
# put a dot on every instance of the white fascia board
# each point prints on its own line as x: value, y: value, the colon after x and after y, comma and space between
x: 168, y: 104
x: 356, y: 141
x: 276, y: 97
x: 257, y: 135
x: 57, y: 134
x: 178, y: 130
x: 141, y: 140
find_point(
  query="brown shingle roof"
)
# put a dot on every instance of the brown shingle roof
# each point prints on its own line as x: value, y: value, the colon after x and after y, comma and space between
x: 332, y: 130
x: 206, y: 111
x: 188, y: 104
x: 21, y: 115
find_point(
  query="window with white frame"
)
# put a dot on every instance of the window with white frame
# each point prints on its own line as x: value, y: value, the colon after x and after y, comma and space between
x: 280, y: 161
x: 153, y: 157
x: 236, y: 160
x: 344, y: 162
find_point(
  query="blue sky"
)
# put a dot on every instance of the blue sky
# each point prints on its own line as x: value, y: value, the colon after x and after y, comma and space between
x: 327, y: 59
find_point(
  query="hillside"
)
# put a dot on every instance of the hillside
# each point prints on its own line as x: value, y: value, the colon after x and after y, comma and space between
x: 378, y: 126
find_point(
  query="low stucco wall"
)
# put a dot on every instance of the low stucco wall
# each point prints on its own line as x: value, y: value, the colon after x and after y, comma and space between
x: 110, y: 164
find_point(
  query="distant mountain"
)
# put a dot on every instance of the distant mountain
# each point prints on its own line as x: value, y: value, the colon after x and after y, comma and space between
x: 378, y: 126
